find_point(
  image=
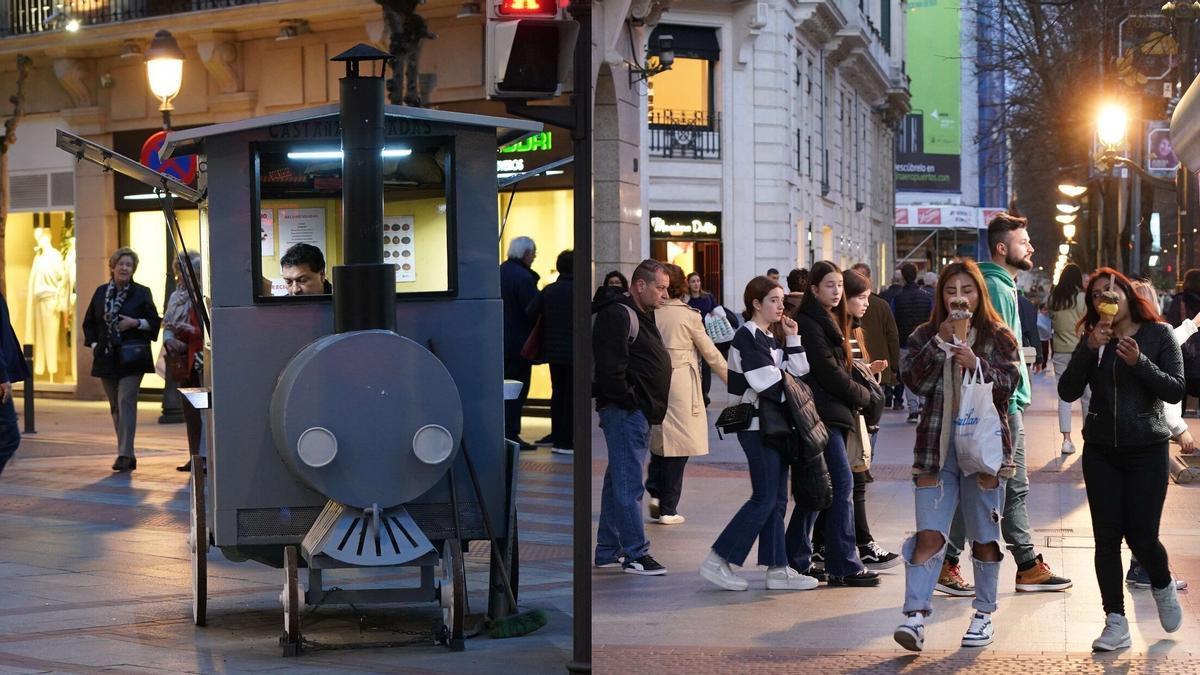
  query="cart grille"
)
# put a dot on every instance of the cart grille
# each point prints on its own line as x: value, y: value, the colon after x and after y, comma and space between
x: 437, y: 520
x: 275, y: 523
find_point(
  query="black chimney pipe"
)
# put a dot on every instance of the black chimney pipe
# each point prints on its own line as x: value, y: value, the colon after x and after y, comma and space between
x: 364, y: 287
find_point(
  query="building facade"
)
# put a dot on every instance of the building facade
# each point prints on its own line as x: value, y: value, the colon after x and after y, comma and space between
x: 769, y: 141
x: 243, y: 59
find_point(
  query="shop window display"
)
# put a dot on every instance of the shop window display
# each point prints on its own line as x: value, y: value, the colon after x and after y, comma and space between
x: 40, y: 278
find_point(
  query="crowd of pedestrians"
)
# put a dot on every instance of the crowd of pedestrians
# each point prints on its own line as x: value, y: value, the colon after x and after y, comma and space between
x: 955, y: 351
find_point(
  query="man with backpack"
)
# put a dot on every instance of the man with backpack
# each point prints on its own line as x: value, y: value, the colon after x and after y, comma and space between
x: 631, y: 384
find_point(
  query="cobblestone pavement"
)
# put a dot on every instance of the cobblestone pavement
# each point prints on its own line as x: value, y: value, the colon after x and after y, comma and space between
x: 680, y: 623
x: 94, y: 571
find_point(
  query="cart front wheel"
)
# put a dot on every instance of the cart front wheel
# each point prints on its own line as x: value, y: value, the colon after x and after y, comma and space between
x: 452, y: 595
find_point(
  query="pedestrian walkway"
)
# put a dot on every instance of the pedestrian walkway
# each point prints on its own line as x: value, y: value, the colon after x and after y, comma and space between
x: 680, y: 623
x: 95, y: 575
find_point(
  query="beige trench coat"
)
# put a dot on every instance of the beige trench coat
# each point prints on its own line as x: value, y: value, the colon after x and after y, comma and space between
x: 684, y: 432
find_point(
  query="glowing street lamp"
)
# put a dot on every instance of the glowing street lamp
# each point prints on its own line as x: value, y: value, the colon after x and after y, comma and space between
x: 1111, y: 125
x: 1064, y: 249
x: 1069, y: 232
x: 1067, y: 208
x: 1072, y: 190
x: 1065, y: 219
x: 164, y: 68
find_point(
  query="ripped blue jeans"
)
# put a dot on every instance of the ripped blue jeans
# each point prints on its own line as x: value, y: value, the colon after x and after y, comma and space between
x: 981, y: 509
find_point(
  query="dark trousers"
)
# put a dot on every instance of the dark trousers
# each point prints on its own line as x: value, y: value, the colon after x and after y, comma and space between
x: 761, y: 517
x: 10, y: 433
x: 664, y: 481
x: 562, y: 396
x: 705, y: 380
x: 862, y: 531
x: 893, y: 395
x: 516, y: 369
x: 841, y: 554
x: 1126, y: 488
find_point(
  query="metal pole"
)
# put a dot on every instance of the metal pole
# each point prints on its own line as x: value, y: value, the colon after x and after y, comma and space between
x: 28, y: 393
x: 581, y: 135
x: 1184, y: 197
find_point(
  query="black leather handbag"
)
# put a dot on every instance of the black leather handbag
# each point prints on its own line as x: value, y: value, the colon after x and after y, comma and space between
x: 135, y: 355
x: 812, y: 487
x: 735, y: 418
x: 778, y: 430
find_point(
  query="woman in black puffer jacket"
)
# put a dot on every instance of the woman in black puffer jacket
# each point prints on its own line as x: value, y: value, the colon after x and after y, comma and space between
x: 822, y: 321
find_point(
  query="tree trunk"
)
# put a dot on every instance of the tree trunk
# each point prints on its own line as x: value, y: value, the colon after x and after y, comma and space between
x: 6, y: 142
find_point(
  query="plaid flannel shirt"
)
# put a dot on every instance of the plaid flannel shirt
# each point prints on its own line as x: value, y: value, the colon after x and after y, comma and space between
x: 922, y: 371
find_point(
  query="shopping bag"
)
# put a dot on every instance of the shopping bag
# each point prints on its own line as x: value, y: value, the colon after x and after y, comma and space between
x: 858, y: 445
x: 718, y: 327
x: 978, y: 435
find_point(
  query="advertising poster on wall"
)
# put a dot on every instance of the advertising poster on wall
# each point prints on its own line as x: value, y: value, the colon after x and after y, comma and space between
x: 266, y: 220
x: 302, y: 226
x: 398, y: 246
x: 930, y: 140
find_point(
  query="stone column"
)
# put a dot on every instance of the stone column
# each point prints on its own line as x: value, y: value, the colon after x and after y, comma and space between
x: 618, y: 210
x: 95, y: 238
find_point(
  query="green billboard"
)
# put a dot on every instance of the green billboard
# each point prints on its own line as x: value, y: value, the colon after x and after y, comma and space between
x: 929, y: 143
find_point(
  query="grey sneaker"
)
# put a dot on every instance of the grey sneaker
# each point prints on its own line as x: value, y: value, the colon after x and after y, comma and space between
x: 911, y: 633
x: 787, y: 579
x: 1170, y: 614
x: 980, y: 633
x: 1115, y: 635
x: 715, y: 570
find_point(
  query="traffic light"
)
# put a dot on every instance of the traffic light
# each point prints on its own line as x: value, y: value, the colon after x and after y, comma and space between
x: 530, y: 46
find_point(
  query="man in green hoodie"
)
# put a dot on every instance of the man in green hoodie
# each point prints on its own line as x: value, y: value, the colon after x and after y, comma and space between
x: 1012, y: 253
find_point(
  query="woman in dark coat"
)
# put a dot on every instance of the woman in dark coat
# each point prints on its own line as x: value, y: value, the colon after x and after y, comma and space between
x: 120, y: 323
x: 823, y: 324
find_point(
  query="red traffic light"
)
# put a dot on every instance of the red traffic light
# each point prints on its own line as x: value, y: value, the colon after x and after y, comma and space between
x: 527, y: 8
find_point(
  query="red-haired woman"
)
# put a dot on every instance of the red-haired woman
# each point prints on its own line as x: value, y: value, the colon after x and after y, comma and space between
x: 1125, y: 441
x: 933, y: 368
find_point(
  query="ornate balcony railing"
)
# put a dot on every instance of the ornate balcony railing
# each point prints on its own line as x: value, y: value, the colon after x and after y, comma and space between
x: 26, y: 17
x: 691, y: 134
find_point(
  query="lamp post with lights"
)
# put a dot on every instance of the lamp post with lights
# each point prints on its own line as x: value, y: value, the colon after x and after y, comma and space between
x: 164, y: 70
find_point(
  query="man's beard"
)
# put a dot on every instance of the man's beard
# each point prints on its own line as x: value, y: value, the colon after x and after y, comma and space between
x: 1019, y: 263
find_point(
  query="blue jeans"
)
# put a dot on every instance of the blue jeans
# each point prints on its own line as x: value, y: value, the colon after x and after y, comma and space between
x: 761, y: 517
x: 1015, y: 526
x: 841, y: 552
x: 621, y: 531
x: 10, y: 433
x: 936, y: 506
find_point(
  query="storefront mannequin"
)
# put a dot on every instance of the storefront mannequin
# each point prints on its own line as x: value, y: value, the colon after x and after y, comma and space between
x: 44, y: 308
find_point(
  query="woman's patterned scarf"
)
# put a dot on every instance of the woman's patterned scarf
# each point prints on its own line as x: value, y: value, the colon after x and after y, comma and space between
x: 114, y: 298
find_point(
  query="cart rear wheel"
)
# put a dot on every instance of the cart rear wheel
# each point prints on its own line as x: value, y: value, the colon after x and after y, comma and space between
x: 452, y: 594
x: 292, y: 602
x: 198, y: 544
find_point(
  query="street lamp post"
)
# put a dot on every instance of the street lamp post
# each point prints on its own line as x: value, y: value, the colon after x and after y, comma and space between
x: 164, y: 69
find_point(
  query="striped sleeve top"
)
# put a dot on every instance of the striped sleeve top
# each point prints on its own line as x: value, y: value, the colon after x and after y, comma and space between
x: 755, y: 363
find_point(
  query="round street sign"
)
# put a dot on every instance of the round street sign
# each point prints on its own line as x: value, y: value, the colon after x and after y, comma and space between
x: 182, y: 169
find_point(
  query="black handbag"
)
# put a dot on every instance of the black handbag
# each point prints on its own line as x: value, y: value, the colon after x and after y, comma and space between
x: 811, y: 433
x: 735, y: 418
x: 873, y: 412
x: 135, y: 355
x: 812, y: 488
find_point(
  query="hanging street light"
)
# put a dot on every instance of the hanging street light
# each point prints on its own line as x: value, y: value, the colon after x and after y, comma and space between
x: 164, y: 69
x: 1065, y: 219
x: 1072, y: 190
x: 1064, y: 249
x: 1068, y: 208
x: 1111, y: 126
x: 1068, y: 230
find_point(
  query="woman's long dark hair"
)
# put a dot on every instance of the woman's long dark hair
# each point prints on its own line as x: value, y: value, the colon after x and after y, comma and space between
x: 1140, y: 309
x: 1068, y: 288
x: 837, y: 314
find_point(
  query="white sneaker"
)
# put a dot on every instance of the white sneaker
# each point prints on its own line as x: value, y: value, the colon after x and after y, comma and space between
x: 716, y: 570
x: 1068, y: 448
x: 787, y: 579
x: 1115, y: 635
x: 980, y: 633
x: 652, y: 506
x: 911, y: 633
x: 1170, y: 614
x: 671, y: 519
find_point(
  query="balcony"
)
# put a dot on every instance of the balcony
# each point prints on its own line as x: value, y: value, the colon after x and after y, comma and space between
x: 27, y: 17
x: 685, y: 134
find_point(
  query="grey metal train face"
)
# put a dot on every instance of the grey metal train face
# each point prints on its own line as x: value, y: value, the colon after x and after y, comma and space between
x: 301, y: 416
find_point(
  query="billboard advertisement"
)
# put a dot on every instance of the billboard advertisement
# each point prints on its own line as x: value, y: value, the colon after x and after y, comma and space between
x: 930, y: 140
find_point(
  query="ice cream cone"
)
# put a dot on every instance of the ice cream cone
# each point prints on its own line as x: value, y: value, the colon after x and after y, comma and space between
x: 1107, y: 306
x: 960, y: 317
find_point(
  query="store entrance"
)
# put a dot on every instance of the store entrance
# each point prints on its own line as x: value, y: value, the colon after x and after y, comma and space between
x: 692, y: 241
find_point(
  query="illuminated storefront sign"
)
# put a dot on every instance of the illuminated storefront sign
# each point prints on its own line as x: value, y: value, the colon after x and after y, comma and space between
x: 682, y: 225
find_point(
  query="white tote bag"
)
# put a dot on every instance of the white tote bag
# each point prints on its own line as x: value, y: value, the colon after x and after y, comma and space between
x: 718, y: 328
x: 978, y: 437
